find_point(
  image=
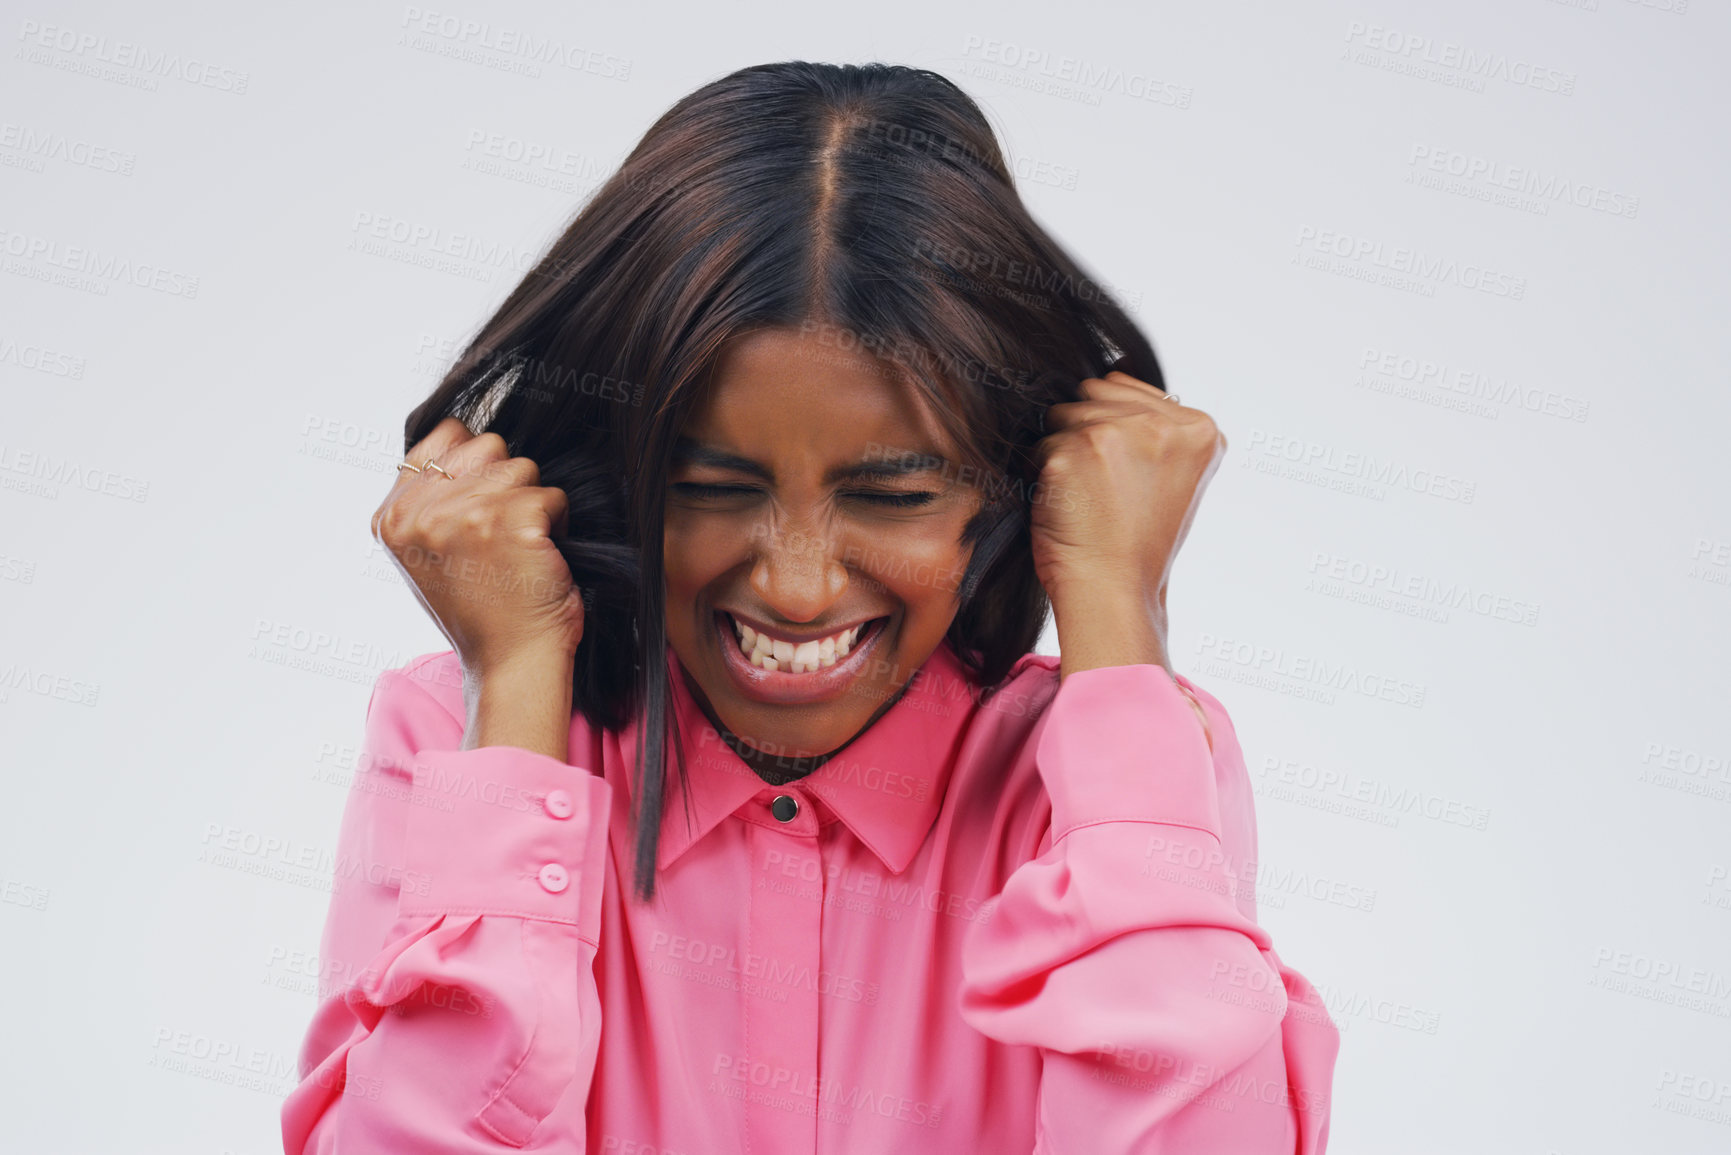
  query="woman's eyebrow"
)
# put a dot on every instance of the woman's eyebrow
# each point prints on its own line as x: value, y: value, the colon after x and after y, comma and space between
x: 900, y: 464
x: 689, y: 452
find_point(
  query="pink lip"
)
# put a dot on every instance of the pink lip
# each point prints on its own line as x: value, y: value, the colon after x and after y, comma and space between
x: 779, y: 688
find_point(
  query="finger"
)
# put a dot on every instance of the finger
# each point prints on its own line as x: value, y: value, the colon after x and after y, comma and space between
x: 559, y: 507
x: 477, y: 456
x: 543, y: 511
x: 1119, y: 384
x: 1139, y: 395
x: 1070, y: 414
x: 490, y: 473
x: 1165, y: 395
x: 446, y: 436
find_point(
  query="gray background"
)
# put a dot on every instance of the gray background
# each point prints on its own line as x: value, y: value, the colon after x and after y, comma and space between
x: 1463, y: 581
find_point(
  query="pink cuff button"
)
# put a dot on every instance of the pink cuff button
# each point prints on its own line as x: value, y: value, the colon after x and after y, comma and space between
x: 559, y: 804
x: 553, y: 878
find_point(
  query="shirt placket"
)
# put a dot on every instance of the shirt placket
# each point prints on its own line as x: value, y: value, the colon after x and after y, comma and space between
x: 783, y: 963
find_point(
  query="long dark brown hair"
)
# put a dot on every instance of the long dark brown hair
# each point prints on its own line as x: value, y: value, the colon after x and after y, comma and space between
x: 866, y: 205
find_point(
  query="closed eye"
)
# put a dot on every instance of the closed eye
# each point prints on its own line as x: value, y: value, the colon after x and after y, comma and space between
x: 698, y: 489
x: 877, y: 497
x: 918, y: 497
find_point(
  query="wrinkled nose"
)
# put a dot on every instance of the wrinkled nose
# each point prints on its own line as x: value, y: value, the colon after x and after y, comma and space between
x: 797, y: 575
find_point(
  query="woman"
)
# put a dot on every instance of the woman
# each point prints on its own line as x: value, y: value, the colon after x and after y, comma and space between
x: 909, y: 887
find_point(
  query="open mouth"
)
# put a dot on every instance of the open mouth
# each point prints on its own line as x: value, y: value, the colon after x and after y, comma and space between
x: 779, y: 655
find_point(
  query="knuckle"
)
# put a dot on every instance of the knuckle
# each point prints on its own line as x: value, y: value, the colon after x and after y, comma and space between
x: 516, y: 471
x: 475, y: 518
x: 387, y: 523
x: 1103, y: 436
x: 420, y: 528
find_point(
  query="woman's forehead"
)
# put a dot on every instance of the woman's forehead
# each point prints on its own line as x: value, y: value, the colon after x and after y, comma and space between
x: 781, y: 382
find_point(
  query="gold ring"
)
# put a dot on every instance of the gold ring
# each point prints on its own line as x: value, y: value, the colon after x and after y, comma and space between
x: 431, y: 464
x: 402, y: 465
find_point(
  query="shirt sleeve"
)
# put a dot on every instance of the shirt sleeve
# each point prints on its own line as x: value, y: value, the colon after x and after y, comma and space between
x: 457, y: 1003
x: 1128, y: 951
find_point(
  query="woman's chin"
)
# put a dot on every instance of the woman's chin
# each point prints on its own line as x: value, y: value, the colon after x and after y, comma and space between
x: 806, y: 726
x: 785, y: 737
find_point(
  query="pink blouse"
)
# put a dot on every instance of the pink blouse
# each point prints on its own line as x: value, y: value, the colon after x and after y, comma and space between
x: 1023, y: 924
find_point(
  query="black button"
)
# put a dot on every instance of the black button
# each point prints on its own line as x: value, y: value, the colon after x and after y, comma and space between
x: 785, y: 807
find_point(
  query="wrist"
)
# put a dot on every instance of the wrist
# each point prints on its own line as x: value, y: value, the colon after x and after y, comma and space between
x: 1110, y: 627
x: 524, y: 702
x: 519, y: 668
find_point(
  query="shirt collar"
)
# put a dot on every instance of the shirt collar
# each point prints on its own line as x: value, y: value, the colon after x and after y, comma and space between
x: 886, y: 785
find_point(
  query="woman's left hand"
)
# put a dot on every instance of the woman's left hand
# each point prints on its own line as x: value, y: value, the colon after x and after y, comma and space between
x: 1122, y: 472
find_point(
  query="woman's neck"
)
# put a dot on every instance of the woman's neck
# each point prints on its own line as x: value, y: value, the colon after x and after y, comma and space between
x: 775, y: 769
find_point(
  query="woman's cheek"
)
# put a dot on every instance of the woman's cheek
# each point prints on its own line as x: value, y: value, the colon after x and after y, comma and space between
x: 922, y: 568
x: 695, y: 547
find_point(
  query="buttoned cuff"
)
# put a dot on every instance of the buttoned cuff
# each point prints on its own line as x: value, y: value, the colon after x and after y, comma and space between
x: 1121, y: 743
x: 506, y: 831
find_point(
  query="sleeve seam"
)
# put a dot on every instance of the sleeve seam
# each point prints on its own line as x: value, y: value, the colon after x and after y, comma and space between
x: 1074, y: 826
x: 493, y: 912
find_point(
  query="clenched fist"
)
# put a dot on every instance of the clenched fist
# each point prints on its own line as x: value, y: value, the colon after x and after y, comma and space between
x: 473, y: 534
x: 1122, y: 472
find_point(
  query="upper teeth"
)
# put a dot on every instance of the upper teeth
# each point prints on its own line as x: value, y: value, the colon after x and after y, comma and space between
x: 777, y: 654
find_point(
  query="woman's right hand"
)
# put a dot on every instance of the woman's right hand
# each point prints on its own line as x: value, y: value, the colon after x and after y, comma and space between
x: 477, y: 549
